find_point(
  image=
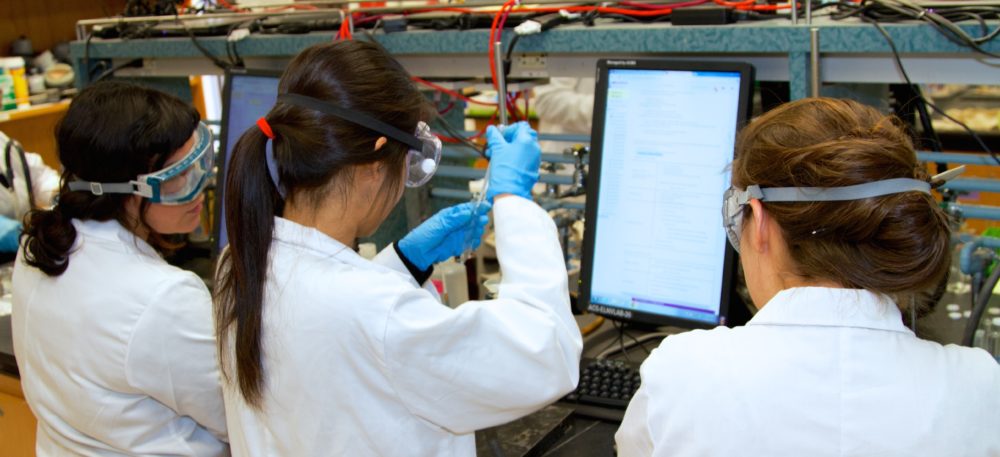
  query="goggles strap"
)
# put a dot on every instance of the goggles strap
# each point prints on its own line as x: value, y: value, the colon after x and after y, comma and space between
x: 828, y: 194
x: 98, y: 188
x: 353, y: 116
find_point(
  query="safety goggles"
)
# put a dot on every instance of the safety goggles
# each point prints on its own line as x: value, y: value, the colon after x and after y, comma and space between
x: 177, y: 184
x: 424, y: 154
x: 735, y: 200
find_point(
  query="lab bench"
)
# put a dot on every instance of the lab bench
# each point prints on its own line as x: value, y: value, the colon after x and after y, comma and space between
x: 17, y: 424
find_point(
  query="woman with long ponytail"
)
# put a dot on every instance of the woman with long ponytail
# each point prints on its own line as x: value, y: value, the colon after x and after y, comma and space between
x: 327, y: 353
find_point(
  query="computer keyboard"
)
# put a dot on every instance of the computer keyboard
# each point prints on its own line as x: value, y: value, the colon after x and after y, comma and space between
x: 605, y: 388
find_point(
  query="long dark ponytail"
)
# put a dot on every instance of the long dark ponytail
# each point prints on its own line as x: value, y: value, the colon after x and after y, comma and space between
x: 112, y: 132
x: 313, y: 153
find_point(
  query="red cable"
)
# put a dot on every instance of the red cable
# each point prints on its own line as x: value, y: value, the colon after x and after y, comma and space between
x: 455, y: 94
x: 447, y: 109
x: 482, y: 131
x: 527, y: 112
x: 648, y: 6
x: 226, y: 5
x: 739, y: 4
x: 494, y: 37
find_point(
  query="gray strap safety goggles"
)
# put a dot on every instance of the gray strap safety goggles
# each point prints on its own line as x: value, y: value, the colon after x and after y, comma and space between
x: 735, y: 200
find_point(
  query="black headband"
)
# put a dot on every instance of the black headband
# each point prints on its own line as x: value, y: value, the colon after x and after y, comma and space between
x: 356, y: 117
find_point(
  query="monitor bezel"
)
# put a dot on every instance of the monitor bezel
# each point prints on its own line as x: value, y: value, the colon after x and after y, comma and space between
x: 746, y: 72
x: 221, y: 158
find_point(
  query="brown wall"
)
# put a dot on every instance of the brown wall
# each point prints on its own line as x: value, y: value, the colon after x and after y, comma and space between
x: 47, y: 22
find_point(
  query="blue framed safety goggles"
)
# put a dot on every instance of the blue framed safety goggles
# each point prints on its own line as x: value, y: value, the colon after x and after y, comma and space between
x: 177, y: 184
x: 424, y: 152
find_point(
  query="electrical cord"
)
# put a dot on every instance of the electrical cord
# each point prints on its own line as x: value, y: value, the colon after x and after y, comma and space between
x: 453, y: 93
x: 457, y: 138
x: 979, y: 305
x: 906, y: 77
x: 941, y: 19
x: 86, y: 57
x: 194, y: 40
x: 131, y: 63
x: 608, y: 350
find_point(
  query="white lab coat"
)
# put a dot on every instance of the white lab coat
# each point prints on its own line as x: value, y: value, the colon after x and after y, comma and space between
x: 359, y: 360
x: 117, y: 355
x: 564, y: 105
x: 14, y: 201
x: 817, y: 372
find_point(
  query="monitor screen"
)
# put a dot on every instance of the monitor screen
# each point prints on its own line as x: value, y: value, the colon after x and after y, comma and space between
x: 655, y: 250
x: 248, y: 95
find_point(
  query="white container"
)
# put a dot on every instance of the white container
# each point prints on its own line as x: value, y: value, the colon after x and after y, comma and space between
x: 455, y: 280
x: 36, y: 84
x: 367, y: 250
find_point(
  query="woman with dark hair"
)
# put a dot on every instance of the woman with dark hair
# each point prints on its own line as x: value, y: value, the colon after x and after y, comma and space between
x: 116, y: 347
x: 838, y: 235
x: 326, y: 353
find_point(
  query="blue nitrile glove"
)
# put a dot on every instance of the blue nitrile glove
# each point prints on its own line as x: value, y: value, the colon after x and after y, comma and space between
x: 514, y: 160
x: 444, y: 234
x: 10, y: 231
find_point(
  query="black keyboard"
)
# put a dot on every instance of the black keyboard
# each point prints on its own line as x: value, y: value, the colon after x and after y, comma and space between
x: 605, y: 388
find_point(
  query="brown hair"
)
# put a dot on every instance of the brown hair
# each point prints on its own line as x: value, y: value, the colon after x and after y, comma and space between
x: 314, y: 153
x: 896, y: 244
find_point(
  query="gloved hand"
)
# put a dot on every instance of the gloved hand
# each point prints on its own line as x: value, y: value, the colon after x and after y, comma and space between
x: 444, y: 234
x: 514, y: 160
x: 10, y: 231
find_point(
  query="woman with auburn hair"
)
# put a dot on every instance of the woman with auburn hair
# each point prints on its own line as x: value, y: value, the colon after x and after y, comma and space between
x: 838, y: 234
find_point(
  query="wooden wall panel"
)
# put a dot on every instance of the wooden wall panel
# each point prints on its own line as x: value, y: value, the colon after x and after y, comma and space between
x: 47, y: 22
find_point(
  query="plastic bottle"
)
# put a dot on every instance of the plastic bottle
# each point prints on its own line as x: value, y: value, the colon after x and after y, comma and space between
x: 14, y: 66
x: 7, y: 100
x: 456, y: 286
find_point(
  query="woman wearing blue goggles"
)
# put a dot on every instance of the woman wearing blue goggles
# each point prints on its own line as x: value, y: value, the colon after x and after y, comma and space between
x: 180, y: 182
x: 101, y: 321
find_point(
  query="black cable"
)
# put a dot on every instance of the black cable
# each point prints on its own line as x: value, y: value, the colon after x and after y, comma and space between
x: 231, y: 50
x: 86, y: 57
x: 480, y: 151
x: 941, y: 19
x: 637, y: 342
x: 611, y: 342
x: 906, y: 77
x: 925, y: 121
x: 112, y: 70
x: 982, y: 299
x: 194, y: 40
x: 621, y: 342
x: 510, y: 52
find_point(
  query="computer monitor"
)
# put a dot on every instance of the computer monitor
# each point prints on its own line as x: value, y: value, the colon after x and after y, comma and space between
x: 654, y: 250
x: 247, y: 96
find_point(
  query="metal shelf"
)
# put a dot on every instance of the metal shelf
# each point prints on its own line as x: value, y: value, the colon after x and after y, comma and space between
x: 850, y: 51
